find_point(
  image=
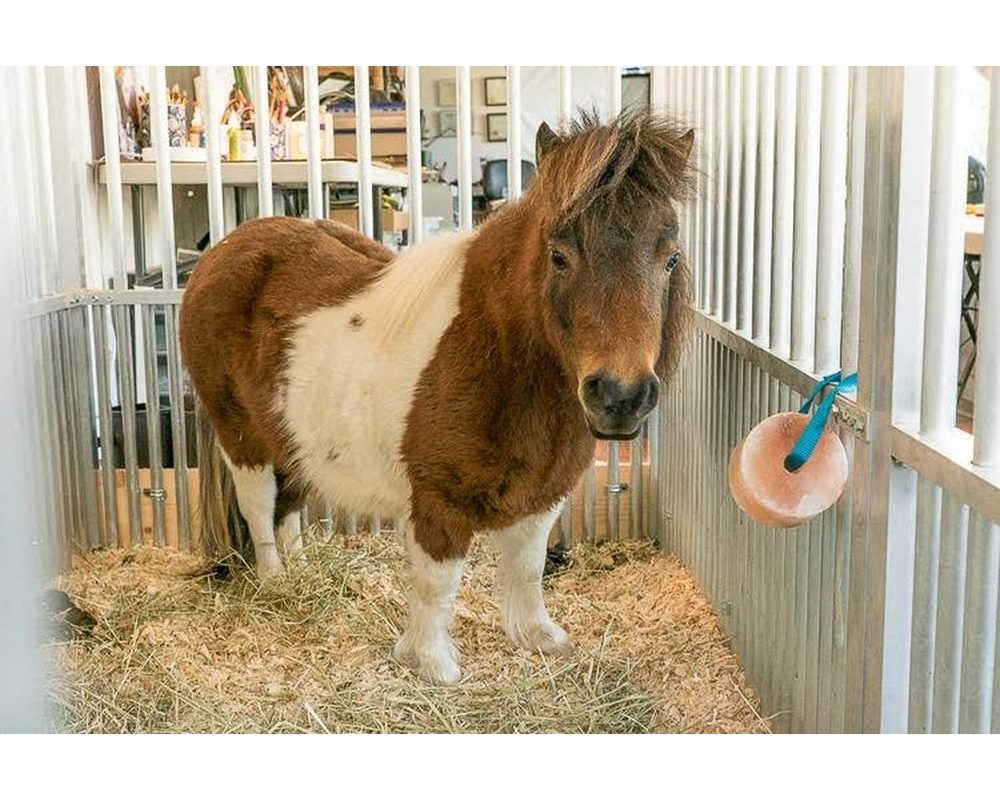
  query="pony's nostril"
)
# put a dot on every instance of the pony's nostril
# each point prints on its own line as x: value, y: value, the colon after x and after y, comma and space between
x: 650, y: 394
x: 607, y: 395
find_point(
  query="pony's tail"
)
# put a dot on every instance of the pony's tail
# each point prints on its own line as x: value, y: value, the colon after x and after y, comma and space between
x: 223, y: 530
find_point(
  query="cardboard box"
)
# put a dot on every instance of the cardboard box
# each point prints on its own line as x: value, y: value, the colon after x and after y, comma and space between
x: 394, y: 221
x: 384, y: 144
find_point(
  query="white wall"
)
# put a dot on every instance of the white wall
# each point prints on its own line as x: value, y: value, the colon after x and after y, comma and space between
x: 539, y: 102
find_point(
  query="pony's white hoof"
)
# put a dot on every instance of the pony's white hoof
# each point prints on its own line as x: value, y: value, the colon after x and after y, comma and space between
x: 269, y: 568
x: 437, y: 662
x: 547, y: 637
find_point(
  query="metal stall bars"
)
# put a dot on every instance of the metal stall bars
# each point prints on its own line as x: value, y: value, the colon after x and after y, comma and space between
x: 881, y: 614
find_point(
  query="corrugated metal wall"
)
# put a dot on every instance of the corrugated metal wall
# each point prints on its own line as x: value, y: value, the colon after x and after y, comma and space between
x: 827, y: 233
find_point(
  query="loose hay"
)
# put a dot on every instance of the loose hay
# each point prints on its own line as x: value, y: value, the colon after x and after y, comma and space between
x: 176, y: 650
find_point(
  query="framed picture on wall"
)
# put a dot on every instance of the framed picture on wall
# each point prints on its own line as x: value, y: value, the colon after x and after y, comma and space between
x: 447, y: 122
x: 496, y: 91
x: 496, y: 127
x: 446, y: 93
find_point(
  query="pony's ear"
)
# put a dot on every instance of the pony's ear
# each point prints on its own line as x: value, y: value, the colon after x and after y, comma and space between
x: 545, y: 140
x: 685, y: 143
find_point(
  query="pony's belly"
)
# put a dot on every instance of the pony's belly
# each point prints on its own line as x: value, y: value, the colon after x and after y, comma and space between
x: 351, y: 375
x: 357, y: 474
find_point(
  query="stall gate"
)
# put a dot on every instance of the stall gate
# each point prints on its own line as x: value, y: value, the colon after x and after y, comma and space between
x: 829, y: 204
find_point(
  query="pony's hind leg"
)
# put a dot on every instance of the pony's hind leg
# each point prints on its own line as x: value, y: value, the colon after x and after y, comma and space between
x: 289, y: 535
x: 256, y: 493
x: 519, y: 583
x: 426, y: 645
x: 287, y: 519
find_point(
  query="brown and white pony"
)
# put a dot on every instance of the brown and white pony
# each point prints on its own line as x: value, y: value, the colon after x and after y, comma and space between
x: 459, y: 385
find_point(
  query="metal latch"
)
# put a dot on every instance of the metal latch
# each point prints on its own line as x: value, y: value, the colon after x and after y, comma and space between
x: 156, y: 495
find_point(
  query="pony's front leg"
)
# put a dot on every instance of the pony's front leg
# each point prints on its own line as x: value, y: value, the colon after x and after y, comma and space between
x: 426, y: 645
x: 519, y: 583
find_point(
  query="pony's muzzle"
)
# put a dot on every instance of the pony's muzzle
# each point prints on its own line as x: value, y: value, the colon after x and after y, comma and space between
x: 616, y: 409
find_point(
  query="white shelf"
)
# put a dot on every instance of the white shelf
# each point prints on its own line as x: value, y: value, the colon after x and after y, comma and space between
x: 244, y: 173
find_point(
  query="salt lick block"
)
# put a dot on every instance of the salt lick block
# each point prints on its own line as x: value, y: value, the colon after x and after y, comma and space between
x: 770, y: 494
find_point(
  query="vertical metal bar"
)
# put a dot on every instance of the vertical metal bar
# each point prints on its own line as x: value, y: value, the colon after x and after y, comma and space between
x: 84, y: 414
x: 178, y: 427
x: 49, y: 272
x: 374, y: 524
x: 807, y: 142
x: 871, y: 486
x: 914, y: 198
x: 614, y: 91
x: 158, y: 113
x: 155, y: 454
x: 113, y: 175
x: 635, y: 481
x: 734, y: 151
x: 851, y: 303
x: 590, y: 504
x: 782, y: 221
x: 126, y: 405
x: 763, y: 218
x: 61, y: 452
x: 363, y: 132
x: 979, y: 639
x: 832, y: 211
x: 213, y: 158
x: 655, y: 527
x: 948, y: 623
x: 141, y: 262
x: 262, y: 123
x: 351, y: 524
x: 721, y: 198
x: 414, y: 155
x: 314, y: 154
x: 898, y: 577
x: 945, y: 251
x: 986, y: 447
x: 695, y: 247
x: 565, y: 95
x: 926, y: 556
x: 102, y: 354
x: 708, y: 190
x: 612, y: 489
x: 464, y: 148
x: 513, y: 132
x: 748, y: 186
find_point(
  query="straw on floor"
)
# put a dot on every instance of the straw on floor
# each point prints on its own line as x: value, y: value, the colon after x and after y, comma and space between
x: 175, y: 649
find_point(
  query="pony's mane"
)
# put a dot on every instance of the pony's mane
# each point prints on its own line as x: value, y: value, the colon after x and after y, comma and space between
x: 635, y: 161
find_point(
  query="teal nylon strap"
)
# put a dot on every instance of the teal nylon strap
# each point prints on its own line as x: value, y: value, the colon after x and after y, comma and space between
x: 810, y: 436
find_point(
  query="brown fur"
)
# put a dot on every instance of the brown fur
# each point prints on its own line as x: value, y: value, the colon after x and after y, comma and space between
x: 496, y: 430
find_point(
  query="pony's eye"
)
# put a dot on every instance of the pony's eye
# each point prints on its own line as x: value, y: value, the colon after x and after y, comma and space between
x: 558, y: 260
x: 673, y: 261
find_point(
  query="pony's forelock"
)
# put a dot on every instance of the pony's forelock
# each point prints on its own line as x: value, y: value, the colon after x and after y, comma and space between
x: 638, y: 160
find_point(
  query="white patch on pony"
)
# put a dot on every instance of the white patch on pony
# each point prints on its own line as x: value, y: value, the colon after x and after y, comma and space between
x: 256, y: 492
x: 352, y: 370
x: 519, y: 583
x: 426, y: 646
x: 290, y: 537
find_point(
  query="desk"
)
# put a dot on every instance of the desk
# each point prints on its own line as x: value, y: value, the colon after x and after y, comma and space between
x: 241, y: 176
